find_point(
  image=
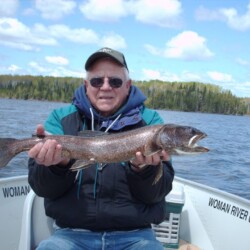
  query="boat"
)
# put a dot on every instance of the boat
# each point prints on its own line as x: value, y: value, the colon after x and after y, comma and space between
x: 200, y: 217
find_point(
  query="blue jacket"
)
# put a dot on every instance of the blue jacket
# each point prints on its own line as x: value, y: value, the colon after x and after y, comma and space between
x: 109, y: 197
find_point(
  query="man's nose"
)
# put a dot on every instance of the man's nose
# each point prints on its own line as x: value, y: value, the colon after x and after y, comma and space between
x: 106, y: 83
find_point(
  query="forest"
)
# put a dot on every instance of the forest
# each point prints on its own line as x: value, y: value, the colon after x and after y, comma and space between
x: 179, y: 96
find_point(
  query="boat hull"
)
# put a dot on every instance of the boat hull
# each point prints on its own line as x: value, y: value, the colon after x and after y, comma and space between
x: 13, y: 192
x: 213, y: 219
x: 210, y: 219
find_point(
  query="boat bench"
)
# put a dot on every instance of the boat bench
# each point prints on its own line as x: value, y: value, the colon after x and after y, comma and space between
x: 36, y: 226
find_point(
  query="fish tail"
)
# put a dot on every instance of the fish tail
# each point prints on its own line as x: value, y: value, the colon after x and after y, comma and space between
x: 6, y: 154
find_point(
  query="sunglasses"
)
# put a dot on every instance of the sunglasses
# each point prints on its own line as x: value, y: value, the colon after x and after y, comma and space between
x: 98, y: 82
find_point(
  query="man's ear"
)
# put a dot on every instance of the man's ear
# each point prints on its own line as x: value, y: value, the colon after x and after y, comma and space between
x: 85, y: 82
x: 129, y: 83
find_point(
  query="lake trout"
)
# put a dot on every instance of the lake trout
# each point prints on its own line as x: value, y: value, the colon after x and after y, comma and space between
x: 90, y: 147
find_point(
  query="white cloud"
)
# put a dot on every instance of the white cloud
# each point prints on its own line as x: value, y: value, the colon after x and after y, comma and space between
x: 113, y: 41
x: 164, y: 13
x: 82, y: 36
x: 58, y: 60
x: 185, y: 76
x: 17, y: 35
x: 187, y: 45
x: 55, y: 9
x: 149, y: 74
x: 204, y: 14
x: 13, y: 68
x: 60, y: 71
x: 8, y: 8
x: 242, y: 62
x: 37, y: 67
x: 87, y: 36
x: 225, y: 81
x: 228, y: 15
x: 105, y: 11
x: 220, y: 77
x: 152, y: 50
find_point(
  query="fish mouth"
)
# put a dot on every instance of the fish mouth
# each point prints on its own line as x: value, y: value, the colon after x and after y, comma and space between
x: 193, y: 143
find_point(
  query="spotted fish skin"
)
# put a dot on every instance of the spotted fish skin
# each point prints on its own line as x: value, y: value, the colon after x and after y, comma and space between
x: 91, y: 147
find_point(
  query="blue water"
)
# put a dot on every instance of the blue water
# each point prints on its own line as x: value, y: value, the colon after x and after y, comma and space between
x: 226, y: 166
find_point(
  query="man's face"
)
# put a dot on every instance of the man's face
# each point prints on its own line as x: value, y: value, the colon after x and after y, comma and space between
x: 106, y: 99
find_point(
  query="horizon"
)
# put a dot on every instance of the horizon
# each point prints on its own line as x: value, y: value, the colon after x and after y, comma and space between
x: 167, y: 40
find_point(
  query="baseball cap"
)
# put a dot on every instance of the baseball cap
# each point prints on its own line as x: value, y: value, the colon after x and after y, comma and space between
x: 106, y: 52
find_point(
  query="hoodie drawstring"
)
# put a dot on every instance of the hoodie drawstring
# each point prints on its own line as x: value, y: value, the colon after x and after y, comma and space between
x: 79, y: 175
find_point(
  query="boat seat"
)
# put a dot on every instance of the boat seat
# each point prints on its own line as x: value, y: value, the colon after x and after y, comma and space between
x: 36, y: 226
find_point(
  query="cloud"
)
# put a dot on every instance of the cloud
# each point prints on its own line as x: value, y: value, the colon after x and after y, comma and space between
x: 164, y: 13
x: 113, y: 41
x: 105, y: 11
x: 17, y: 35
x: 220, y: 77
x: 8, y: 8
x: 187, y: 45
x: 153, y: 50
x: 37, y: 67
x: 60, y: 71
x: 228, y: 15
x: 149, y: 74
x: 13, y: 68
x: 81, y: 36
x: 242, y: 62
x: 55, y: 9
x: 225, y: 81
x: 87, y: 36
x: 58, y: 60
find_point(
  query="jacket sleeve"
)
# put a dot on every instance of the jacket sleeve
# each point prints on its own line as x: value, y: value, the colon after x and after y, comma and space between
x: 50, y: 182
x: 141, y: 183
x: 142, y: 187
x: 53, y: 181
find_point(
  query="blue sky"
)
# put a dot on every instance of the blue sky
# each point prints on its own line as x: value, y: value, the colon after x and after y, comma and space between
x: 170, y: 40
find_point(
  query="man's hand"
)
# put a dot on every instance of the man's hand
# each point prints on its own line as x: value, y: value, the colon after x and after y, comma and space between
x: 140, y: 160
x: 47, y: 153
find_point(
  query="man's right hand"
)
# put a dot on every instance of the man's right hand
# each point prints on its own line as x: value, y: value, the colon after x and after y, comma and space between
x: 47, y: 153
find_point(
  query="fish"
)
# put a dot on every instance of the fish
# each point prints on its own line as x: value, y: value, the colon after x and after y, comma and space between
x: 98, y: 147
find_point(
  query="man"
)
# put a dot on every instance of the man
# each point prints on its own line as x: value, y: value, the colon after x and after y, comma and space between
x: 107, y: 206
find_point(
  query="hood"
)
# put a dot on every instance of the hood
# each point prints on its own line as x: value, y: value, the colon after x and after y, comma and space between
x: 129, y: 113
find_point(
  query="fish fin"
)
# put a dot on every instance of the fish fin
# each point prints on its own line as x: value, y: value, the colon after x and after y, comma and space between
x: 82, y: 164
x: 90, y: 133
x: 158, y: 174
x: 6, y: 154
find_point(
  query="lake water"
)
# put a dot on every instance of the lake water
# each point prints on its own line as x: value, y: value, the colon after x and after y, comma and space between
x: 226, y: 166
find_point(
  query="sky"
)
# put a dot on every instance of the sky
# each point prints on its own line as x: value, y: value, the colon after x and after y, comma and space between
x: 206, y: 41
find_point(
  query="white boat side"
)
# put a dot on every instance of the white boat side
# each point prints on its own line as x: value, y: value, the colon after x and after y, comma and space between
x: 211, y: 219
x: 13, y: 192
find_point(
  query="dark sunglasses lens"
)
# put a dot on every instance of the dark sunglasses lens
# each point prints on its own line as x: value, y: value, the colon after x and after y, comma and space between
x: 96, y: 82
x: 115, y: 82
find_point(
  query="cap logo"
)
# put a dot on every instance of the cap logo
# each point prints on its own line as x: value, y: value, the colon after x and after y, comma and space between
x: 106, y: 50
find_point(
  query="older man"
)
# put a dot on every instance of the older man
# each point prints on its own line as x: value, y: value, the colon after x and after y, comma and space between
x: 107, y: 206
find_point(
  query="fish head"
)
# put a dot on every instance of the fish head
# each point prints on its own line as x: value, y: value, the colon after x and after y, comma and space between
x: 179, y: 140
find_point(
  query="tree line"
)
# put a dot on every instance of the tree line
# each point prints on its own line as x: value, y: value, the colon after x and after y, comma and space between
x: 181, y: 96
